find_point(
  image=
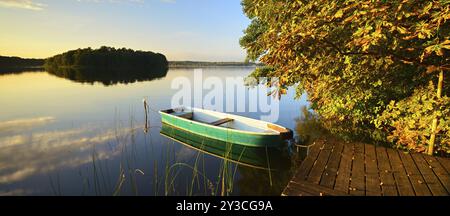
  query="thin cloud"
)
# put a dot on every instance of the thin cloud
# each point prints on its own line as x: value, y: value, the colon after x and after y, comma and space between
x: 33, y: 5
x: 169, y: 1
x: 22, y: 4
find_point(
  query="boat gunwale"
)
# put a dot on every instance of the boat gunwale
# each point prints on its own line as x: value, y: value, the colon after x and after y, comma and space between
x: 276, y: 133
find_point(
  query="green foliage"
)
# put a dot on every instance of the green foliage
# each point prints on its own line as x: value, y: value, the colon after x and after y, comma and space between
x: 354, y: 57
x: 107, y: 58
x: 107, y: 65
x: 410, y: 120
x: 16, y: 62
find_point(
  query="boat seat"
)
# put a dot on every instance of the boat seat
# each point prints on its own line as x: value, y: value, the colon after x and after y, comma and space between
x: 186, y: 115
x: 221, y: 121
x: 277, y: 128
x: 284, y: 132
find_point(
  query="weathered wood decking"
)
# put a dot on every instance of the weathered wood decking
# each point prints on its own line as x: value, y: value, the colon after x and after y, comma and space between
x: 337, y: 168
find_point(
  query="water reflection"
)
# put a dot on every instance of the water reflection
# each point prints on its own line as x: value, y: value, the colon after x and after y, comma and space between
x: 19, y: 70
x: 134, y: 162
x: 309, y: 128
x: 108, y: 76
x: 43, y: 152
x: 59, y: 137
x: 19, y: 125
x: 262, y: 171
x: 261, y: 158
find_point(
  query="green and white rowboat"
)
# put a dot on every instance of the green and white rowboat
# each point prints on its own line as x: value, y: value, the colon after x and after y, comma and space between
x: 226, y: 127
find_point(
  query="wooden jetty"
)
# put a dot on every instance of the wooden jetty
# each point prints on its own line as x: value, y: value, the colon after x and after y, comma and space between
x: 334, y: 168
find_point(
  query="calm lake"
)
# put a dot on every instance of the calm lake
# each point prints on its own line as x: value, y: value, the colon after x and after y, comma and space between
x: 61, y: 136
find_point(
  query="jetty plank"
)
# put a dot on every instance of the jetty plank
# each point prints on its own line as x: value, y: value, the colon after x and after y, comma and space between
x: 336, y: 168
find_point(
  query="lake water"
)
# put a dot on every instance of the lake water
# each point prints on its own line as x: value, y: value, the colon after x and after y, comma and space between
x: 64, y: 137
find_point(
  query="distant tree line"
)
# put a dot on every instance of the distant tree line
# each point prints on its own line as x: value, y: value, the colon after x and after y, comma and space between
x: 107, y: 65
x: 108, y: 59
x: 17, y: 62
x: 174, y: 64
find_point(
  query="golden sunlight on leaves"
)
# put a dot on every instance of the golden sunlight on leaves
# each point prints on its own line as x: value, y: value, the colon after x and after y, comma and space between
x: 353, y: 58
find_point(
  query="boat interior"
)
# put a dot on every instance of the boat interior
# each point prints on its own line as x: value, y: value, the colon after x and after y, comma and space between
x: 225, y: 120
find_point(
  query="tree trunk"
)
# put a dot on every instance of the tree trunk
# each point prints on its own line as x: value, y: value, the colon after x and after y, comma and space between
x: 435, y: 120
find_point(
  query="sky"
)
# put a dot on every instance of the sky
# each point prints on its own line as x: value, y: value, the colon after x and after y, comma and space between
x: 201, y: 30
